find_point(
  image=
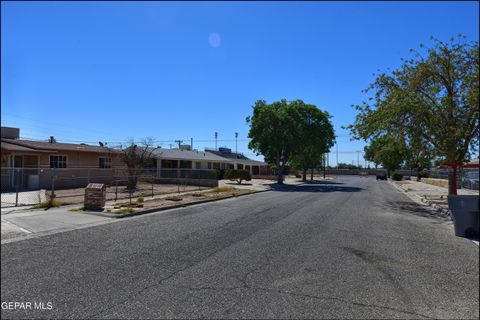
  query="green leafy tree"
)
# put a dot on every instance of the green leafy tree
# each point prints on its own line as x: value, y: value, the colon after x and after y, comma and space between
x: 315, y: 137
x: 387, y: 151
x: 273, y: 132
x: 434, y: 98
x: 342, y: 165
x: 238, y: 175
x: 287, y: 132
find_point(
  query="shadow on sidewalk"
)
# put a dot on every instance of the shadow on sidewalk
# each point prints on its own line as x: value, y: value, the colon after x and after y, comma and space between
x: 416, y: 209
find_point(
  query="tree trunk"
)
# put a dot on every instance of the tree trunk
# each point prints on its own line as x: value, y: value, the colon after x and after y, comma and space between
x: 311, y: 174
x: 304, y: 175
x: 280, y: 175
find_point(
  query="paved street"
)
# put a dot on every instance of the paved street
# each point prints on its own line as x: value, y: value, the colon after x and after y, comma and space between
x: 351, y: 247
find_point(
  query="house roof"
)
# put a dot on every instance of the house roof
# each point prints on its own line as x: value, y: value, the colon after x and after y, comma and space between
x: 229, y: 155
x: 18, y: 148
x: 250, y: 162
x: 193, y: 155
x: 43, y: 146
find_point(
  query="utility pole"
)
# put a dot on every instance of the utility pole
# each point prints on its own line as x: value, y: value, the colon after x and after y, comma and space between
x: 336, y: 145
x: 216, y: 136
x: 179, y: 142
x: 236, y: 136
x: 191, y: 143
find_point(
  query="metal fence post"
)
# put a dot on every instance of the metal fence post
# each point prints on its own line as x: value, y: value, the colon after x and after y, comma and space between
x: 152, y: 185
x: 130, y: 191
x: 116, y: 190
x: 52, y: 194
x: 17, y: 186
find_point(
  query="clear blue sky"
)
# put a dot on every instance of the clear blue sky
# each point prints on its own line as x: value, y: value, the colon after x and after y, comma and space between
x: 107, y: 71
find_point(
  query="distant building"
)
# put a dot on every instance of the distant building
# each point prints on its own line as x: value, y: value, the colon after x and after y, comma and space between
x: 240, y: 161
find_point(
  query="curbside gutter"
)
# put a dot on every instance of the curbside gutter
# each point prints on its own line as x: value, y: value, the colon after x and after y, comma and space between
x: 175, y: 206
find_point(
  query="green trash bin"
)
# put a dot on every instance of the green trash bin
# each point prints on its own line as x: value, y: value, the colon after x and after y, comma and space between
x: 465, y: 212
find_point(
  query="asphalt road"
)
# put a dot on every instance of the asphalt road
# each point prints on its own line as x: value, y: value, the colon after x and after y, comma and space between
x: 350, y: 248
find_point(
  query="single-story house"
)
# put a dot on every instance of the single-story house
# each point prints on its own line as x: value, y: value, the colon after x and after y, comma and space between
x: 28, y: 164
x: 240, y: 161
x: 184, y: 158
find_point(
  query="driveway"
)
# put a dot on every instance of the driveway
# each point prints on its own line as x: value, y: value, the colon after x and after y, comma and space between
x: 346, y: 248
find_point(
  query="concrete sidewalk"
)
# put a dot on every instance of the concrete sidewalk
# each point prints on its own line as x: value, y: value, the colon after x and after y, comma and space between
x: 28, y: 224
x: 431, y: 195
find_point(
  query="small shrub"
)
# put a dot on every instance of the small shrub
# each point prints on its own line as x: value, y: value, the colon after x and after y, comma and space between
x: 174, y: 198
x: 220, y: 174
x: 397, y: 176
x: 197, y: 195
x: 423, y: 174
x: 238, y: 175
x: 140, y: 199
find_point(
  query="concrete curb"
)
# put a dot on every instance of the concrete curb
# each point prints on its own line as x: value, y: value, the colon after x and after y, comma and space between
x: 140, y: 212
x: 424, y: 201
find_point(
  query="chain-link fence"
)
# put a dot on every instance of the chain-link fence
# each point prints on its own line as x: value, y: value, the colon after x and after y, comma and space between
x: 468, y: 178
x: 24, y: 186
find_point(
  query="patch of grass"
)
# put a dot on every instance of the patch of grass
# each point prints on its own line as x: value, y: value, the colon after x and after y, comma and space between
x: 47, y: 204
x: 124, y: 211
x: 121, y: 204
x: 77, y: 209
x: 223, y: 189
x: 174, y: 198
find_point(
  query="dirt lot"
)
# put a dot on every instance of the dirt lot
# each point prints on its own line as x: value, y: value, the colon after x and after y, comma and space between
x: 74, y: 196
x: 123, y: 207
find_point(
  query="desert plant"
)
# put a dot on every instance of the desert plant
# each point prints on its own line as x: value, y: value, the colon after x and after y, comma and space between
x: 238, y: 175
x: 397, y: 176
x: 174, y: 198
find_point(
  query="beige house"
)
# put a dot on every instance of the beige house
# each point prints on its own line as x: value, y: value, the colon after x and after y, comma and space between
x: 30, y: 164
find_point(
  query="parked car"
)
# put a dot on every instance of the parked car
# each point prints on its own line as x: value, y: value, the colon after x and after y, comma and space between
x: 381, y: 176
x: 470, y: 180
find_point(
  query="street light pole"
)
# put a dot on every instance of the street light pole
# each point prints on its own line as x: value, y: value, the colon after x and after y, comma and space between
x: 216, y: 136
x: 236, y: 136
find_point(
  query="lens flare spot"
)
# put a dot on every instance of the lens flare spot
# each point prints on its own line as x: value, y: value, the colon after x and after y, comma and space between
x: 214, y: 40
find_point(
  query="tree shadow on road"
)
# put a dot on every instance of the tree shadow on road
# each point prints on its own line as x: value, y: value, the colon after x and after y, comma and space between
x: 413, y: 208
x: 322, y: 182
x: 313, y: 188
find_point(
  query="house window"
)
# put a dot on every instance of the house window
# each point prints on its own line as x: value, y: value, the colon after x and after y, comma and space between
x: 209, y: 165
x: 104, y: 162
x: 185, y: 164
x: 58, y: 161
x: 198, y: 165
x: 216, y: 166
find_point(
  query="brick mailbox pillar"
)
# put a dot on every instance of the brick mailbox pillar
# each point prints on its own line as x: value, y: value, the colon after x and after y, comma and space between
x: 94, y: 196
